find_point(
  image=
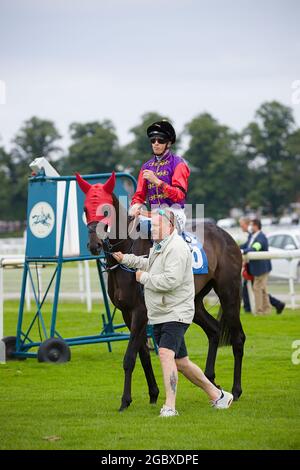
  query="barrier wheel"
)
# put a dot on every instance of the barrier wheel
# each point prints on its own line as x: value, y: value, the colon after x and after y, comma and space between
x: 10, y: 348
x: 54, y: 350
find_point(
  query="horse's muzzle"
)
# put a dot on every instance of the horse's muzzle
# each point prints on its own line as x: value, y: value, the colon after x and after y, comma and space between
x: 94, y: 248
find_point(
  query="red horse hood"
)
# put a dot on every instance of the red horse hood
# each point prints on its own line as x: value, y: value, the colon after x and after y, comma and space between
x: 98, y: 203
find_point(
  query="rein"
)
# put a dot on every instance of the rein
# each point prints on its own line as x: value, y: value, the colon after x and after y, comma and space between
x: 110, y: 248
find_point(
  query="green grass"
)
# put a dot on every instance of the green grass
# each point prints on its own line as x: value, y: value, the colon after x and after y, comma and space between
x: 77, y: 402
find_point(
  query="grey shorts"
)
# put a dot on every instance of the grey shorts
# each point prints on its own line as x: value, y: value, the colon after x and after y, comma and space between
x: 170, y: 335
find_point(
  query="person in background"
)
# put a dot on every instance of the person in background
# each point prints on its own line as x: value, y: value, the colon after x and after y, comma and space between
x: 260, y: 269
x: 244, y: 224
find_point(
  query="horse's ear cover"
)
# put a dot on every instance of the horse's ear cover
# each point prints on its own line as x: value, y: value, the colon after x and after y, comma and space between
x: 110, y: 183
x: 84, y: 185
x: 98, y: 200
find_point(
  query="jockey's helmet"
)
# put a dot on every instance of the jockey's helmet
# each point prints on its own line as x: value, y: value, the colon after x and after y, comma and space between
x: 162, y: 129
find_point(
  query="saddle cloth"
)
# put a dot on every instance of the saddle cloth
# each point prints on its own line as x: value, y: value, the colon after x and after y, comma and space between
x: 200, y: 263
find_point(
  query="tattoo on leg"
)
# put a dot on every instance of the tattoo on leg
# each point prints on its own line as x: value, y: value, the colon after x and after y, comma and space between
x: 173, y: 382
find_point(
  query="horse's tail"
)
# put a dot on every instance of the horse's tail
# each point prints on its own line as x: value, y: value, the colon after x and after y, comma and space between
x: 225, y: 335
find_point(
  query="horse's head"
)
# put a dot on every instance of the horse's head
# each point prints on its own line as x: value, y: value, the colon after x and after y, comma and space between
x: 98, y: 207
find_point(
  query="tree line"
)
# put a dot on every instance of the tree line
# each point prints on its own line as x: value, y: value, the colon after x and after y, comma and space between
x: 257, y: 168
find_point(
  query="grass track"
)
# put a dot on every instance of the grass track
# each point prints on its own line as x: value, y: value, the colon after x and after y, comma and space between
x: 77, y: 402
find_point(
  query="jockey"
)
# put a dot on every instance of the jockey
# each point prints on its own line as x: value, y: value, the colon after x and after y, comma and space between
x: 163, y: 180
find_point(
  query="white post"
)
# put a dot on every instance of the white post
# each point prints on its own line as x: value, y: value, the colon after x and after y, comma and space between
x: 88, y: 286
x: 2, y: 352
x: 292, y: 286
x: 39, y: 275
x: 28, y: 295
x: 1, y: 300
x: 80, y: 281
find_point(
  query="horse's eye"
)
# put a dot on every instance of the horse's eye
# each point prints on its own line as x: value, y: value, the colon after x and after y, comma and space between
x: 105, y: 213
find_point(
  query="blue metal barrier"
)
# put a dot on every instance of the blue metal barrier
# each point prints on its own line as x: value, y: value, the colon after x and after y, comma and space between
x: 57, y: 234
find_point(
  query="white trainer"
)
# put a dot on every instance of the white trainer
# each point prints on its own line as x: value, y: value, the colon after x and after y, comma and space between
x: 166, y: 412
x: 224, y: 401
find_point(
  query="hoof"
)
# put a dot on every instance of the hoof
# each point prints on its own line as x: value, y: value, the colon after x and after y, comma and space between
x: 153, y: 400
x: 236, y: 395
x: 154, y: 397
x: 124, y: 406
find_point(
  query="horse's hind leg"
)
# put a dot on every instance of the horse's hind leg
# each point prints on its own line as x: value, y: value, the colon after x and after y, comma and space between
x: 148, y: 370
x: 211, y: 328
x: 230, y: 303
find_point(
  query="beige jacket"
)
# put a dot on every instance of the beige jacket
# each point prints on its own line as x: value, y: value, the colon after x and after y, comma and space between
x: 168, y: 281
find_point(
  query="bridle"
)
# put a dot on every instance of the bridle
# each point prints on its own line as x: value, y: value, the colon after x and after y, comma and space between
x: 109, y: 248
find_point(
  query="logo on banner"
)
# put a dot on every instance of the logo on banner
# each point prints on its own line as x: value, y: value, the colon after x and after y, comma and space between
x: 41, y: 220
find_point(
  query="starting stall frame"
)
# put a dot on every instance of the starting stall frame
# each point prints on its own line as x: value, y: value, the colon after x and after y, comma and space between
x: 57, y: 234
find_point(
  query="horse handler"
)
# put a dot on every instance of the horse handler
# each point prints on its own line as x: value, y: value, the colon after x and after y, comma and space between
x: 168, y: 280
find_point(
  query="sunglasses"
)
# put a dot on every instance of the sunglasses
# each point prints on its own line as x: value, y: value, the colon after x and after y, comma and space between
x: 163, y: 213
x: 160, y: 141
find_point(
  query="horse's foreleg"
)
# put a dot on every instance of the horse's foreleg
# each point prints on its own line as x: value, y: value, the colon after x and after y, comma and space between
x: 147, y: 366
x: 129, y: 361
x: 137, y: 342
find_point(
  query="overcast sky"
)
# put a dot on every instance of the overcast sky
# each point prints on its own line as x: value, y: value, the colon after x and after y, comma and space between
x: 92, y: 59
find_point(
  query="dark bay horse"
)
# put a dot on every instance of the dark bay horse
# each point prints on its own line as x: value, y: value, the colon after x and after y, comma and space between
x: 224, y: 276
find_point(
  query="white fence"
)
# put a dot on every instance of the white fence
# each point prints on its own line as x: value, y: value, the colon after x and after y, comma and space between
x: 12, y: 246
x: 80, y: 281
x: 84, y: 284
